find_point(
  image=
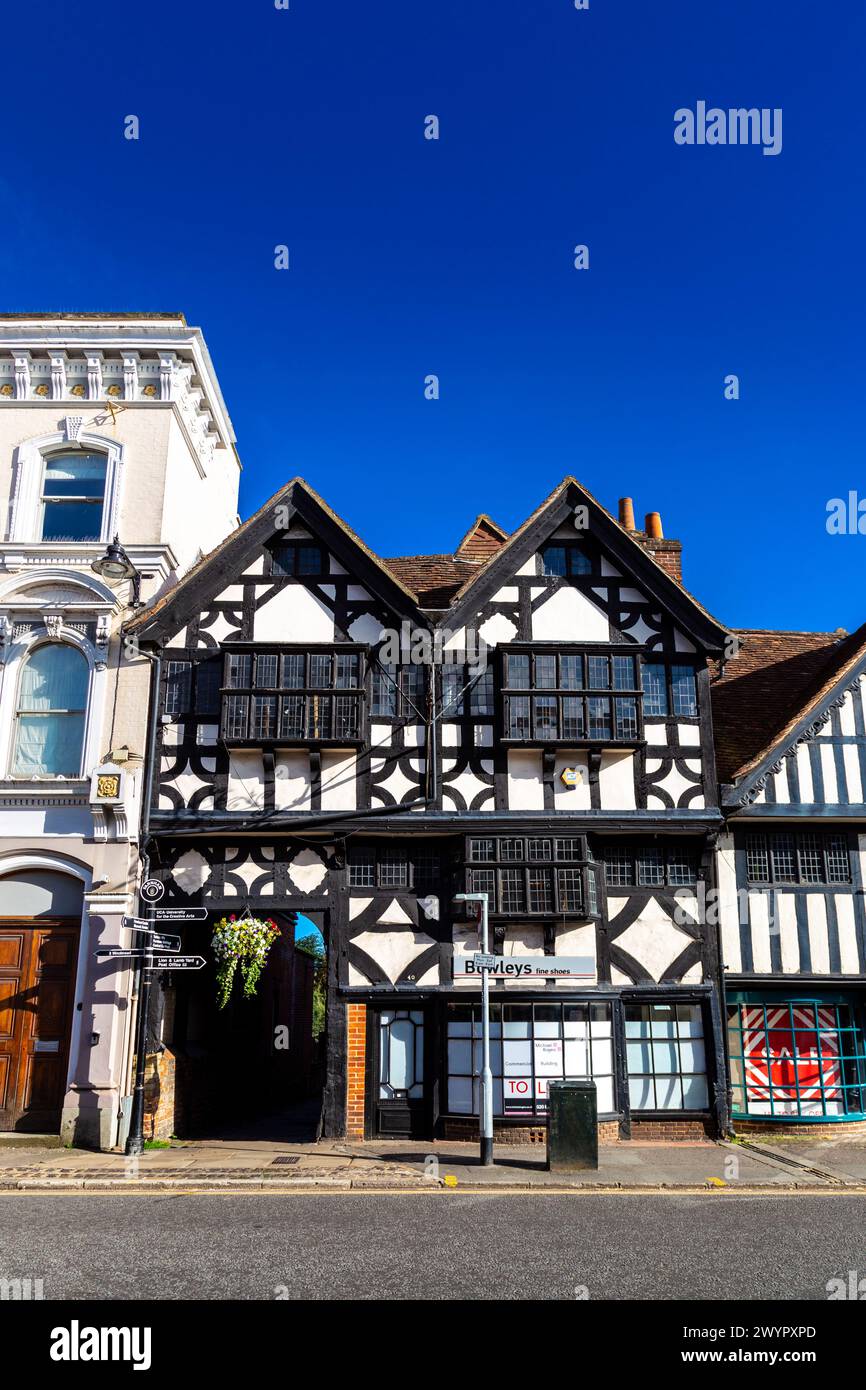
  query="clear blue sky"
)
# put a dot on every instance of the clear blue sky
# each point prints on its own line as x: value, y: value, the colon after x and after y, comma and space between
x: 410, y: 257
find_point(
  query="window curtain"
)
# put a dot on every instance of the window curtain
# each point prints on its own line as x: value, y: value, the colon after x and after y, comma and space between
x: 51, y: 704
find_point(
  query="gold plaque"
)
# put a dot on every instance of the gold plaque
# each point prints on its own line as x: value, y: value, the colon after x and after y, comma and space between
x: 108, y: 784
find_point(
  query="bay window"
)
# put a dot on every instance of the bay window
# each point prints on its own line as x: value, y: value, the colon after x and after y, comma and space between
x: 571, y: 697
x: 293, y: 696
x: 535, y: 875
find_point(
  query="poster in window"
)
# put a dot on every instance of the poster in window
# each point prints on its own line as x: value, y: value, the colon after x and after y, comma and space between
x: 792, y: 1071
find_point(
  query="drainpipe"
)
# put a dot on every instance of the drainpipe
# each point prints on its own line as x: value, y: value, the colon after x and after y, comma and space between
x: 144, y: 978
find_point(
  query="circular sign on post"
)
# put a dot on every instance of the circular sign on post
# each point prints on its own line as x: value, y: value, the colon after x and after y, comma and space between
x: 152, y: 889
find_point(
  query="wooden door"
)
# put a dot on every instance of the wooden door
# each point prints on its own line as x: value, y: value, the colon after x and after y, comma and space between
x: 37, y: 988
x: 400, y: 1085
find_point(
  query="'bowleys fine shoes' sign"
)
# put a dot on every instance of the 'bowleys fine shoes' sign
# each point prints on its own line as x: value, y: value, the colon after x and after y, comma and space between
x: 527, y: 967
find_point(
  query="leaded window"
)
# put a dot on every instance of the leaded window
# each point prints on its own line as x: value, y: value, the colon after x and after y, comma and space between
x: 293, y: 697
x: 299, y: 558
x: 571, y: 697
x: 797, y: 857
x: 525, y: 875
x: 649, y: 866
x: 395, y: 867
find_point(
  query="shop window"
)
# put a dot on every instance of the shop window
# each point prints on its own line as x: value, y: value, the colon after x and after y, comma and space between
x: 800, y: 1059
x: 532, y: 1044
x: 665, y: 1057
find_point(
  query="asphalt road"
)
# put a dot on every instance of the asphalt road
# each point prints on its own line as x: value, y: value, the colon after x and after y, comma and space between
x: 442, y: 1246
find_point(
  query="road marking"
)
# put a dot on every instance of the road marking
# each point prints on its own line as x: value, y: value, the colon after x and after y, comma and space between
x: 711, y: 1194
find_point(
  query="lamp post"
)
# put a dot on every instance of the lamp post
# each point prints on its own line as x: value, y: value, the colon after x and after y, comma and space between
x: 486, y: 1073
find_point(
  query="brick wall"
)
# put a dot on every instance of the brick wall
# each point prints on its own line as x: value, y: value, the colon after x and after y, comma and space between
x: 854, y: 1130
x: 669, y: 1131
x: 356, y: 1066
x: 608, y: 1132
x: 160, y: 1074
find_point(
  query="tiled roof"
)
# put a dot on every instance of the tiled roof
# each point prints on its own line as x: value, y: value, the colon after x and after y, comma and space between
x: 775, y: 681
x: 433, y: 579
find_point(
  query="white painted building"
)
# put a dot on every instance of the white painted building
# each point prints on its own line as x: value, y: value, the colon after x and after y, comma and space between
x: 110, y: 426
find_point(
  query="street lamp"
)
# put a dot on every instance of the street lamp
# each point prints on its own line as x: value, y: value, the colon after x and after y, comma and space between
x: 486, y: 1074
x: 115, y: 564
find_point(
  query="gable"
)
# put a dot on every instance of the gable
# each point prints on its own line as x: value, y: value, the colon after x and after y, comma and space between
x: 624, y: 587
x: 257, y: 586
x: 817, y: 763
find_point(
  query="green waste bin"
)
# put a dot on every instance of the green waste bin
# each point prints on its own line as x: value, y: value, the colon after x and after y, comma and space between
x: 572, y: 1135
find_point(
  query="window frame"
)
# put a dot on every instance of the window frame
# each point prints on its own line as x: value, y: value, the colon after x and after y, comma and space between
x: 512, y: 863
x: 850, y: 1081
x: 533, y: 693
x: 296, y: 545
x: 634, y: 849
x: 796, y: 836
x: 25, y: 523
x: 280, y: 692
x: 43, y: 640
x: 52, y: 456
x: 410, y: 855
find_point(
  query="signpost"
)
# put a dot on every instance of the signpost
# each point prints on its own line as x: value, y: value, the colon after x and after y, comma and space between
x: 484, y: 959
x: 152, y: 889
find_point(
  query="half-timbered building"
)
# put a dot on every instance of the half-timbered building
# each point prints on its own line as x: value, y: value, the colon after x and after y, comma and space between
x: 790, y: 720
x: 360, y: 739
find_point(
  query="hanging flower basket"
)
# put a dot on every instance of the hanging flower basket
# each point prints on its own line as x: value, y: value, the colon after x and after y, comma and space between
x: 245, y: 942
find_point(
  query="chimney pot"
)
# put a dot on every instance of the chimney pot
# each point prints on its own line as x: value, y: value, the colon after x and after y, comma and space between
x: 653, y: 526
x: 626, y: 513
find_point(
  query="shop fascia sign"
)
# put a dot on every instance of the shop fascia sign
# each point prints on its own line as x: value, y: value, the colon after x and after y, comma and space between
x: 527, y: 967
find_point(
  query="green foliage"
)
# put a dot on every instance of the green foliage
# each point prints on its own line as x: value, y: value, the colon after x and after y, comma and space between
x: 314, y: 946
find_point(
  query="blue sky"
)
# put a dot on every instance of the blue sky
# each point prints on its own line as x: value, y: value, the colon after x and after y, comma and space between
x: 304, y: 127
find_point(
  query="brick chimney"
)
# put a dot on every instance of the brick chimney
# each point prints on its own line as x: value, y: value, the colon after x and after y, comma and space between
x: 667, y: 553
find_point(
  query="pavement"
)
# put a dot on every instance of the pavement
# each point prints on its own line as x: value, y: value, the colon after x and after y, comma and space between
x: 214, y: 1165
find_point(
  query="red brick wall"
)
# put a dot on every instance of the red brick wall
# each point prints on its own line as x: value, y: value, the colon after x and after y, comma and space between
x: 608, y: 1132
x: 669, y: 1131
x: 356, y: 1066
x: 841, y: 1129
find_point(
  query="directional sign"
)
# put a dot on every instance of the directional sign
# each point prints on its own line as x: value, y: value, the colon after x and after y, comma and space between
x: 152, y: 889
x: 181, y: 914
x: 132, y: 953
x: 176, y: 962
x: 159, y: 941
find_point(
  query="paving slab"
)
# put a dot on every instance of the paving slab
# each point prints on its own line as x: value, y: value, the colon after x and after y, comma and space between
x: 407, y: 1165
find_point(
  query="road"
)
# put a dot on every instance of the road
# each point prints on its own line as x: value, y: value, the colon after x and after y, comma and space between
x: 442, y: 1246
